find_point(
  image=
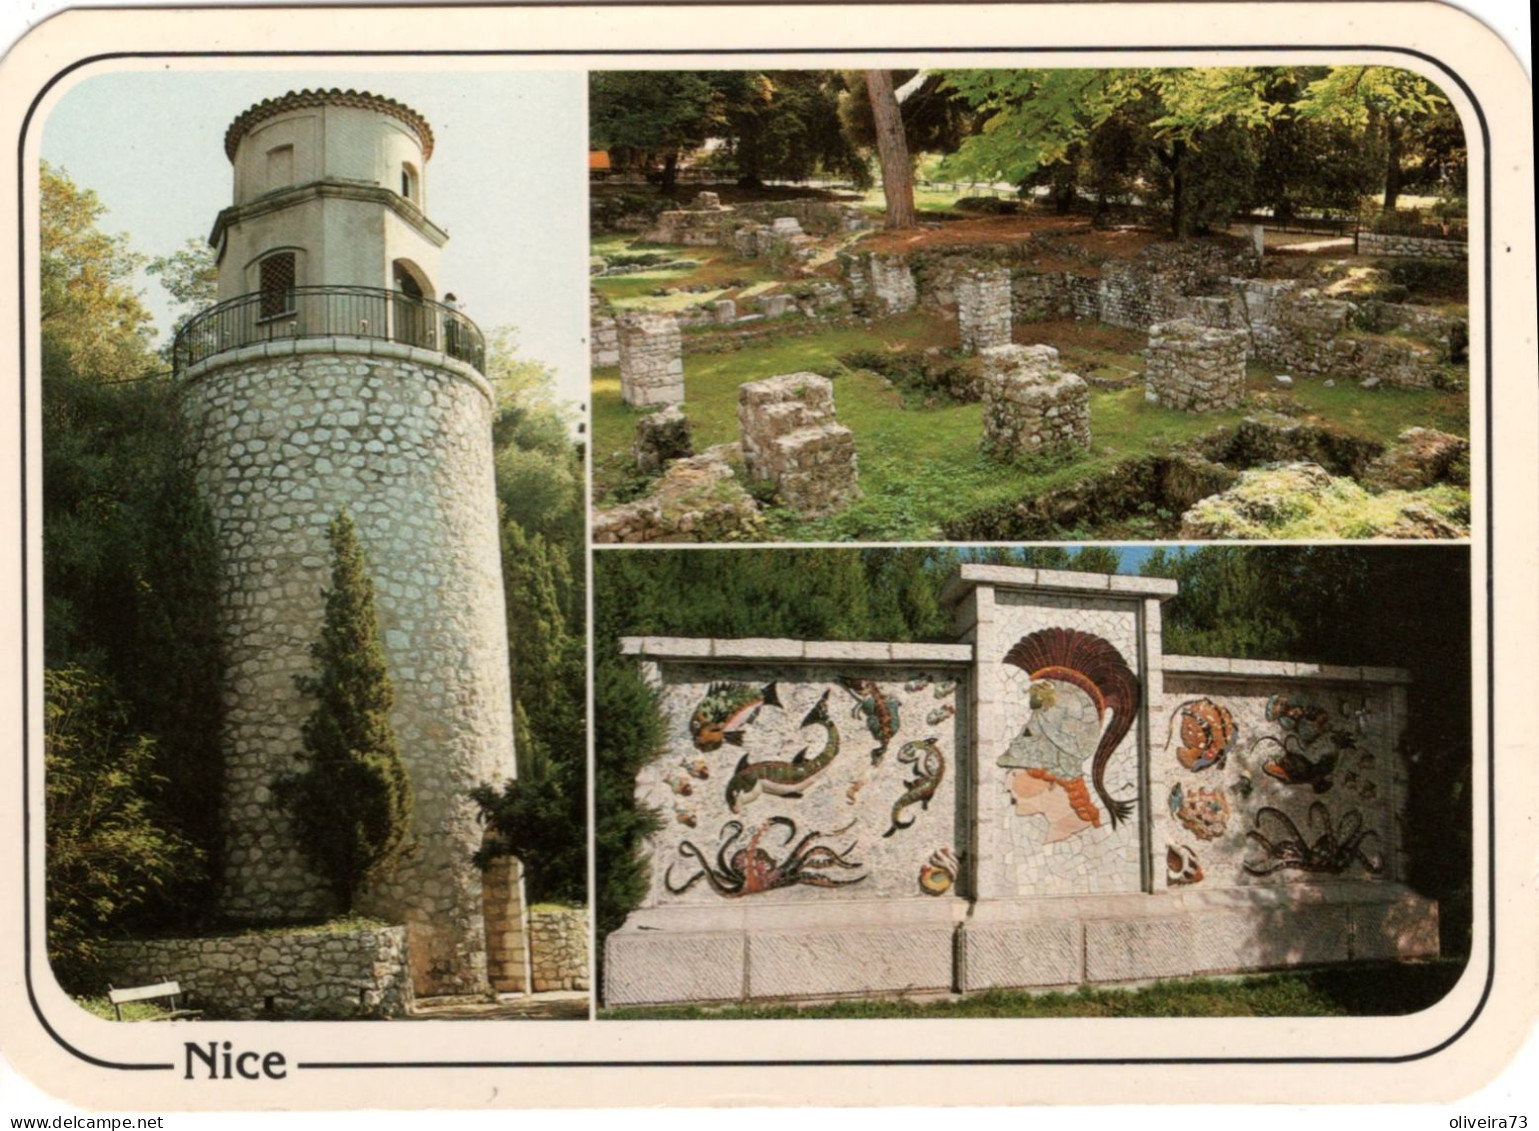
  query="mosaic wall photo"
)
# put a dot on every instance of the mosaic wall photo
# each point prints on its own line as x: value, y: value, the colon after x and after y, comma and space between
x: 796, y: 785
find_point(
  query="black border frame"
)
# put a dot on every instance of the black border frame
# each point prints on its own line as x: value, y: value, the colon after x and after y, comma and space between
x: 1248, y: 49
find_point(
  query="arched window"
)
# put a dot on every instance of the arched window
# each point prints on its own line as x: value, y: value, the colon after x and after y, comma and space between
x: 409, y: 182
x: 276, y: 283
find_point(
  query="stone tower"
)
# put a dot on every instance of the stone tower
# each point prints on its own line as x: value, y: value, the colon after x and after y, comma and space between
x: 328, y: 377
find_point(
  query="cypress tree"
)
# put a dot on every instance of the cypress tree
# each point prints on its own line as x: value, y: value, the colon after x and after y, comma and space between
x: 352, y: 803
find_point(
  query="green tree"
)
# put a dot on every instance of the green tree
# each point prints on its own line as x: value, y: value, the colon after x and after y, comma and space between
x: 352, y: 802
x: 108, y: 856
x: 654, y: 115
x: 785, y: 125
x: 190, y: 276
x: 92, y: 319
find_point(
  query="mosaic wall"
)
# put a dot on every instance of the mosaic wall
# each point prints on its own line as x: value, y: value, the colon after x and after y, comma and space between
x: 1056, y: 830
x: 792, y: 784
x: 1261, y: 782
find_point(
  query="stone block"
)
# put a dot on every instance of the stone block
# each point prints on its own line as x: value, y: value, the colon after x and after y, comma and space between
x: 790, y: 440
x: 1030, y: 404
x: 655, y: 967
x: 1263, y: 936
x: 651, y: 359
x: 984, y: 309
x: 1133, y: 949
x: 1025, y: 954
x: 1399, y: 929
x: 1194, y: 368
x: 850, y: 960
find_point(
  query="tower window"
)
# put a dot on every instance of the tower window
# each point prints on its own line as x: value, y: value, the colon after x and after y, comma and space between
x: 277, y: 285
x: 409, y: 184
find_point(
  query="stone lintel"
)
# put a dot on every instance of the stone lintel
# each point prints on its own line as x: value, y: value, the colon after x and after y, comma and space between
x: 971, y: 574
x: 766, y: 649
x: 1286, y: 669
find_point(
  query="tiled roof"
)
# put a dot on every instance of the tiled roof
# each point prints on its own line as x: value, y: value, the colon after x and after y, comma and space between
x: 299, y: 99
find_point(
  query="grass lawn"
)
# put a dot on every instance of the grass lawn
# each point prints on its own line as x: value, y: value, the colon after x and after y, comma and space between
x: 1379, y: 990
x: 921, y: 466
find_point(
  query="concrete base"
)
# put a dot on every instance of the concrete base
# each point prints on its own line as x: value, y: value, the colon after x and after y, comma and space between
x: 859, y: 948
x: 1128, y: 938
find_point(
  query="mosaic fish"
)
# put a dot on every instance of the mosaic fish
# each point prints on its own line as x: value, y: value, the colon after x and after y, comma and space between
x: 940, y: 714
x: 1306, y: 720
x: 880, y: 712
x: 1208, y: 733
x: 944, y: 688
x: 918, y: 683
x: 1093, y: 665
x: 781, y: 778
x: 685, y: 817
x: 726, y: 709
x: 1294, y: 767
x: 697, y: 768
x: 929, y: 769
x: 938, y: 873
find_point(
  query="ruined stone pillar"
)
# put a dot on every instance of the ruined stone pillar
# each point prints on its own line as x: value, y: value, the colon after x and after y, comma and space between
x: 790, y: 439
x: 651, y: 360
x: 983, y: 309
x: 1194, y: 369
x: 1030, y: 404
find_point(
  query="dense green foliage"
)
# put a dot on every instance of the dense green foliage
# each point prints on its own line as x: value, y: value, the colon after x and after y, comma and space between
x: 352, y: 801
x: 541, y: 815
x: 108, y: 854
x: 130, y: 578
x: 1336, y: 604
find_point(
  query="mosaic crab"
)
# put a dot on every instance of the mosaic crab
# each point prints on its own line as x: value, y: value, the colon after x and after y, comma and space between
x: 752, y: 869
x: 1334, y: 850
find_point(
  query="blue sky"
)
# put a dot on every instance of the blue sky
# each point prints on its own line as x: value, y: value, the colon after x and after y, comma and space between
x: 508, y: 179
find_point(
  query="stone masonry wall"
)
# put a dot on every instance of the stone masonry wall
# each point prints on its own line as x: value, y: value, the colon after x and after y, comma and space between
x: 984, y: 309
x: 651, y: 360
x: 558, y: 938
x: 1416, y: 247
x: 790, y: 439
x: 1194, y: 369
x: 289, y: 435
x: 879, y: 284
x: 1030, y: 404
x: 604, y: 335
x: 312, y: 975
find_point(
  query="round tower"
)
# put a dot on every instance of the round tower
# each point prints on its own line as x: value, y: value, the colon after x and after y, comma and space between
x: 329, y: 378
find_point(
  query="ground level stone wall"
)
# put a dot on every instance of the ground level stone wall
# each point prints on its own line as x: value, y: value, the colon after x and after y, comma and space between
x: 289, y: 435
x: 311, y: 975
x: 1031, y: 405
x: 880, y: 284
x: 558, y: 937
x: 820, y: 217
x: 698, y: 499
x: 1410, y: 247
x: 1194, y: 368
x: 603, y: 335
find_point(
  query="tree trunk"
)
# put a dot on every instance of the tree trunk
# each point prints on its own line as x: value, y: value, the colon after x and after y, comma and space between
x: 1178, y: 189
x: 892, y: 150
x: 1394, y: 146
x: 670, y: 171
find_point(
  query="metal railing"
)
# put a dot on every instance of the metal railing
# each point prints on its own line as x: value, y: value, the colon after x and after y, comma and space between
x: 320, y: 312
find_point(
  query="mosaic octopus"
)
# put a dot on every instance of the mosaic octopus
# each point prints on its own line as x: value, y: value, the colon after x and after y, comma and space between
x: 752, y: 869
x: 1334, y: 851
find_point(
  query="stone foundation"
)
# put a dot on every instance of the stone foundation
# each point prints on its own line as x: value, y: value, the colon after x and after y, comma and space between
x: 651, y: 360
x: 661, y: 438
x: 880, y: 284
x: 1194, y: 369
x: 790, y: 440
x: 1412, y: 247
x: 603, y: 335
x: 309, y: 975
x: 559, y: 940
x: 697, y: 500
x: 1030, y: 404
x: 983, y: 309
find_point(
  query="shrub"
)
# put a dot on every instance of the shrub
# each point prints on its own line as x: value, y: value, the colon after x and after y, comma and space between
x: 107, y: 855
x: 608, y: 209
x: 988, y: 205
x: 1439, y: 278
x: 352, y: 803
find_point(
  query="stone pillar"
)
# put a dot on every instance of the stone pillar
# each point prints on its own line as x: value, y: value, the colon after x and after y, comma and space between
x: 983, y: 309
x: 1194, y: 369
x: 1030, y: 404
x: 507, y: 926
x: 661, y: 438
x: 651, y: 359
x: 790, y: 439
x: 603, y: 335
x: 723, y: 311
